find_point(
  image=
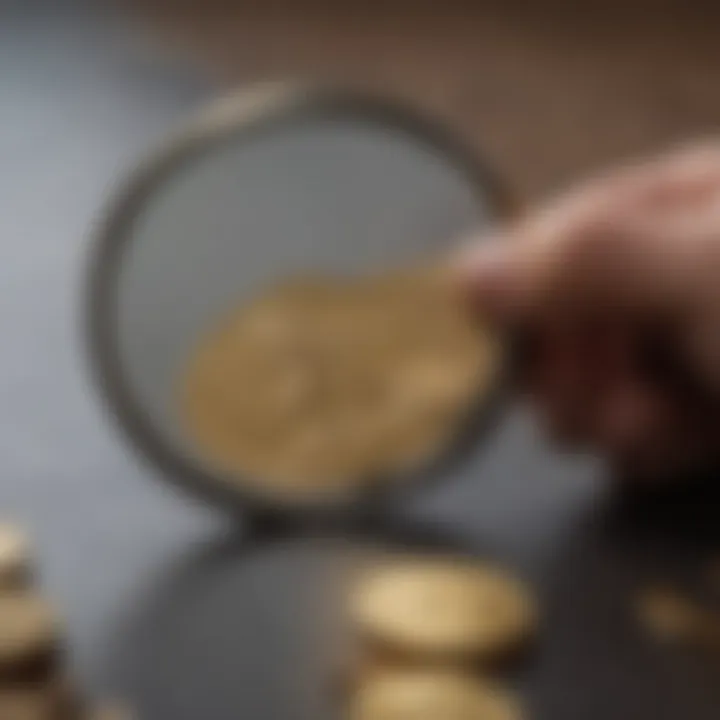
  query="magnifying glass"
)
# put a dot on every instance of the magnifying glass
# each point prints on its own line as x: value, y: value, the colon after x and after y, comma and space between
x: 271, y: 182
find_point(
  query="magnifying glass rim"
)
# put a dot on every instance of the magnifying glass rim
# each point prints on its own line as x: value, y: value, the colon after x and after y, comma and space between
x: 242, y: 115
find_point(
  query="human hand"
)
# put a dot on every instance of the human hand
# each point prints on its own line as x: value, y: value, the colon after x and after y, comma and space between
x: 615, y: 288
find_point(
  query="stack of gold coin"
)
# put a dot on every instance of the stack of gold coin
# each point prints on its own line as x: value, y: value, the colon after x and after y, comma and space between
x: 431, y: 633
x: 32, y: 682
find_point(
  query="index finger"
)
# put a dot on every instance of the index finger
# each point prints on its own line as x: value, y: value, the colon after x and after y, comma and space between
x: 598, y: 247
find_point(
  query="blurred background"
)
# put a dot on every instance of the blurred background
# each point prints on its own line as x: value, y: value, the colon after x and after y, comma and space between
x: 548, y: 89
x: 551, y: 89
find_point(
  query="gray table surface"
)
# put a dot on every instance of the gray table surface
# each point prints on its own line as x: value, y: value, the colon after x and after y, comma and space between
x: 165, y: 602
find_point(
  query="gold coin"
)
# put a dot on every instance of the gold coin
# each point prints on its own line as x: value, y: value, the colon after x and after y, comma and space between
x: 26, y: 705
x: 44, y: 701
x: 14, y: 558
x: 671, y: 616
x: 443, y: 608
x: 110, y: 712
x: 28, y: 630
x: 418, y: 694
x: 325, y: 382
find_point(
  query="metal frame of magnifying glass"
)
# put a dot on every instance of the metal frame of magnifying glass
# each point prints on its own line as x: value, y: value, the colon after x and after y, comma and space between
x: 245, y: 114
